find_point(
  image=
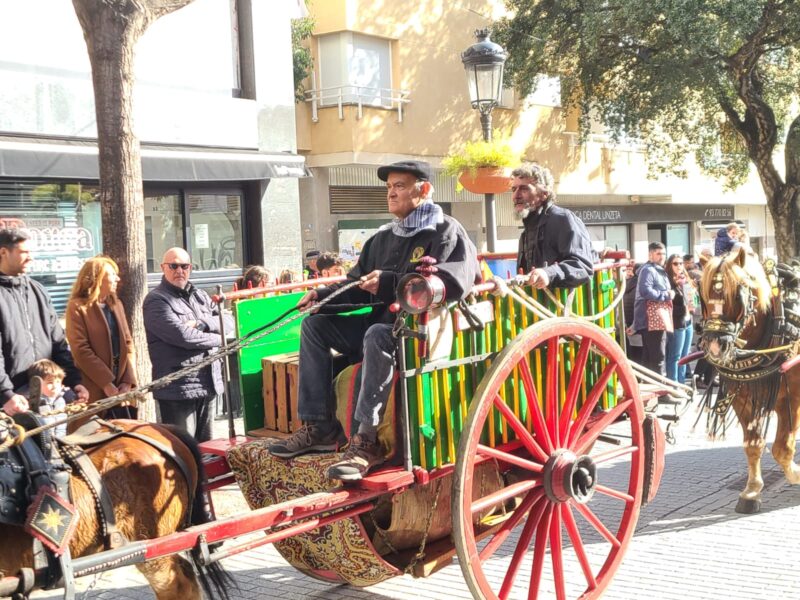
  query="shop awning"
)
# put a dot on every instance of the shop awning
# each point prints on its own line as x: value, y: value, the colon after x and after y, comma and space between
x: 32, y: 158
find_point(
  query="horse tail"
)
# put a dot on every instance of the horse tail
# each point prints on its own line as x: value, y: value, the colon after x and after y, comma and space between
x: 214, y: 579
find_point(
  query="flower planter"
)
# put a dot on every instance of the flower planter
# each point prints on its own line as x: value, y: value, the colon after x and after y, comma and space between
x: 486, y: 180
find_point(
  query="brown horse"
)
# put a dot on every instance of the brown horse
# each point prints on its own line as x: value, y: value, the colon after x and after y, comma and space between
x: 739, y: 326
x: 151, y: 498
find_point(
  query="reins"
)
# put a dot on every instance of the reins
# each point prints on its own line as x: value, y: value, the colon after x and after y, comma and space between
x: 16, y: 435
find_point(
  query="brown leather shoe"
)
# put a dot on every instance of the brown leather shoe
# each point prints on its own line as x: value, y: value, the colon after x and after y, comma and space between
x: 309, y: 438
x: 361, y: 455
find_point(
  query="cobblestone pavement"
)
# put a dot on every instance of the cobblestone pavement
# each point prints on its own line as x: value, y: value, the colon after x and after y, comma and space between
x: 689, y: 543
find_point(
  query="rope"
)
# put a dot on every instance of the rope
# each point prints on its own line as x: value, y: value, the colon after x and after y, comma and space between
x: 83, y: 410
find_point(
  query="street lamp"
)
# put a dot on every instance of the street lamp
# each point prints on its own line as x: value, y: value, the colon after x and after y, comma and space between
x: 483, y: 62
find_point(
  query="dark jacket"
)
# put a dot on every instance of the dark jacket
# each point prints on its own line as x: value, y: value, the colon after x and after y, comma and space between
x: 653, y: 284
x: 173, y: 345
x: 723, y: 242
x: 396, y: 256
x: 557, y: 238
x: 630, y: 297
x: 681, y: 317
x: 29, y: 331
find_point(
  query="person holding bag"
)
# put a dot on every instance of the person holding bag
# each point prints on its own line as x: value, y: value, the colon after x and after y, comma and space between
x: 99, y: 337
x: 652, y: 312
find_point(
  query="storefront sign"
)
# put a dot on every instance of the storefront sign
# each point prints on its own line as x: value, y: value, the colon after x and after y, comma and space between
x: 56, y: 248
x: 654, y: 213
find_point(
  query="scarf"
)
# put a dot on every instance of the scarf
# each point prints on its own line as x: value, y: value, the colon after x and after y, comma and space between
x: 426, y: 216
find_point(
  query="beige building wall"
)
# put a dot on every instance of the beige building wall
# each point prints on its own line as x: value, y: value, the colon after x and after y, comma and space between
x: 426, y: 38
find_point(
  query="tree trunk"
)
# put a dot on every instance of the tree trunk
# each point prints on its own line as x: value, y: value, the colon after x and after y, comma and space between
x: 111, y: 31
x: 783, y: 204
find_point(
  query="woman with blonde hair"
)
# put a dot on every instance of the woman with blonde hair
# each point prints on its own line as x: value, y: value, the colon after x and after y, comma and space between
x: 98, y: 334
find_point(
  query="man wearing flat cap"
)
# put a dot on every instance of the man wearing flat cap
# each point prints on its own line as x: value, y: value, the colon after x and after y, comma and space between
x: 419, y: 229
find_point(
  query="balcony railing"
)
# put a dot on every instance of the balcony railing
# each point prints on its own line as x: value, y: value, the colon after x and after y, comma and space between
x: 359, y: 96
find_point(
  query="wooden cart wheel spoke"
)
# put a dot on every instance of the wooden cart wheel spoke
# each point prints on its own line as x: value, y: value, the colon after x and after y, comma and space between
x: 519, y: 428
x: 575, y: 381
x: 535, y: 410
x: 555, y: 554
x: 495, y: 498
x: 539, y: 548
x: 602, y: 489
x: 523, y: 544
x: 551, y: 399
x: 591, y: 402
x: 509, y: 458
x: 615, y: 453
x: 577, y: 544
x: 595, y: 522
x: 590, y: 437
x: 505, y: 530
x: 547, y: 470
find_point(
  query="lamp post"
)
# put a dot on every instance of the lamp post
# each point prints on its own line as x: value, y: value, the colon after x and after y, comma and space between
x: 483, y: 63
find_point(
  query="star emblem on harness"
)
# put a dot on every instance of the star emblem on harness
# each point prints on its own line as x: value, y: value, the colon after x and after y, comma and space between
x: 53, y: 519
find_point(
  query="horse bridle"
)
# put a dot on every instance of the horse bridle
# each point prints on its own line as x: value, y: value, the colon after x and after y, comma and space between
x: 721, y: 329
x: 737, y: 363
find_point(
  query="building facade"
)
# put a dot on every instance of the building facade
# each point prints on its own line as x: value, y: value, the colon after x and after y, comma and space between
x: 215, y: 113
x: 388, y: 84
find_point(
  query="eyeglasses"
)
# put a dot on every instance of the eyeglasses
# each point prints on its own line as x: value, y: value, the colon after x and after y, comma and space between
x: 176, y: 266
x: 676, y: 263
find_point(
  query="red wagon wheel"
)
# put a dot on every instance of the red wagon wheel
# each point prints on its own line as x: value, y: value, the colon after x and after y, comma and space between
x: 564, y: 468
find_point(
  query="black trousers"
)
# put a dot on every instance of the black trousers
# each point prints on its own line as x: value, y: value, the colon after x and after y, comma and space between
x: 193, y: 416
x: 654, y: 346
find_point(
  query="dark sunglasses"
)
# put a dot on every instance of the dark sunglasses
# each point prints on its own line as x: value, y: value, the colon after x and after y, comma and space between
x: 176, y: 266
x: 673, y: 263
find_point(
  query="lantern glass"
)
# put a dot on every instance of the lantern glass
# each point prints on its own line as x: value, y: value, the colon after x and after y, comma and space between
x: 485, y: 83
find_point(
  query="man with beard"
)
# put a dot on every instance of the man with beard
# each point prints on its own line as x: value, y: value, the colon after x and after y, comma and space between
x: 554, y: 248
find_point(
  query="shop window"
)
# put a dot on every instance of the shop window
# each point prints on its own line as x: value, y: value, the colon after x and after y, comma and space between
x: 207, y: 223
x: 355, y: 67
x: 677, y: 238
x: 609, y: 236
x: 163, y: 227
x: 65, y: 226
x: 215, y: 226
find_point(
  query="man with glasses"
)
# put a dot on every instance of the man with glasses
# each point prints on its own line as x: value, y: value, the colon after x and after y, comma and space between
x: 29, y: 327
x: 183, y: 328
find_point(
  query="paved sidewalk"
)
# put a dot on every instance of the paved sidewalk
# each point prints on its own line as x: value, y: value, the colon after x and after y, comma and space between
x: 689, y: 544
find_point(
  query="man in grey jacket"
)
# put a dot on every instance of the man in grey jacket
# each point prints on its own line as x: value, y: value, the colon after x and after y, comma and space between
x: 29, y: 327
x: 183, y: 328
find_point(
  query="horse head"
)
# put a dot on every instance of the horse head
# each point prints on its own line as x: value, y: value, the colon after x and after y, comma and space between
x: 736, y: 298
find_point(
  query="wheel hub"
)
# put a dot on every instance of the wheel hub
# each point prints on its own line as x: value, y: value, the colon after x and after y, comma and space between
x: 567, y: 476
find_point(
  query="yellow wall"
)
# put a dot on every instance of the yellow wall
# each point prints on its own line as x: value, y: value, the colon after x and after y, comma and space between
x: 428, y: 38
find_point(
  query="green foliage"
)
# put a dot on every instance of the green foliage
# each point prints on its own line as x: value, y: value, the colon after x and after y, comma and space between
x: 302, y: 59
x: 685, y: 77
x: 473, y: 155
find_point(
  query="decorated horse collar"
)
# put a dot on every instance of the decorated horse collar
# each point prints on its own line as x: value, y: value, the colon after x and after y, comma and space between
x: 776, y: 343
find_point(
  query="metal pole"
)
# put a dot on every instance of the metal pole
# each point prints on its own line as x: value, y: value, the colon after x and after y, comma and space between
x: 226, y: 369
x: 491, y: 223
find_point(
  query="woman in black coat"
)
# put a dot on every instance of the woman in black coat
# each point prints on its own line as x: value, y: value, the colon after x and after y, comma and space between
x: 634, y: 346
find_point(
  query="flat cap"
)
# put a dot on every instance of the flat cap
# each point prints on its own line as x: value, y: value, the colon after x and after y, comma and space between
x: 419, y: 168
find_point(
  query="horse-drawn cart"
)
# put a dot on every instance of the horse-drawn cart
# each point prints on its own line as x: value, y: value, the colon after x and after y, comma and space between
x: 517, y: 441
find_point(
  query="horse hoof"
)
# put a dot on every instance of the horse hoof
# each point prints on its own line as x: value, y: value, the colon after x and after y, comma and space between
x: 748, y: 506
